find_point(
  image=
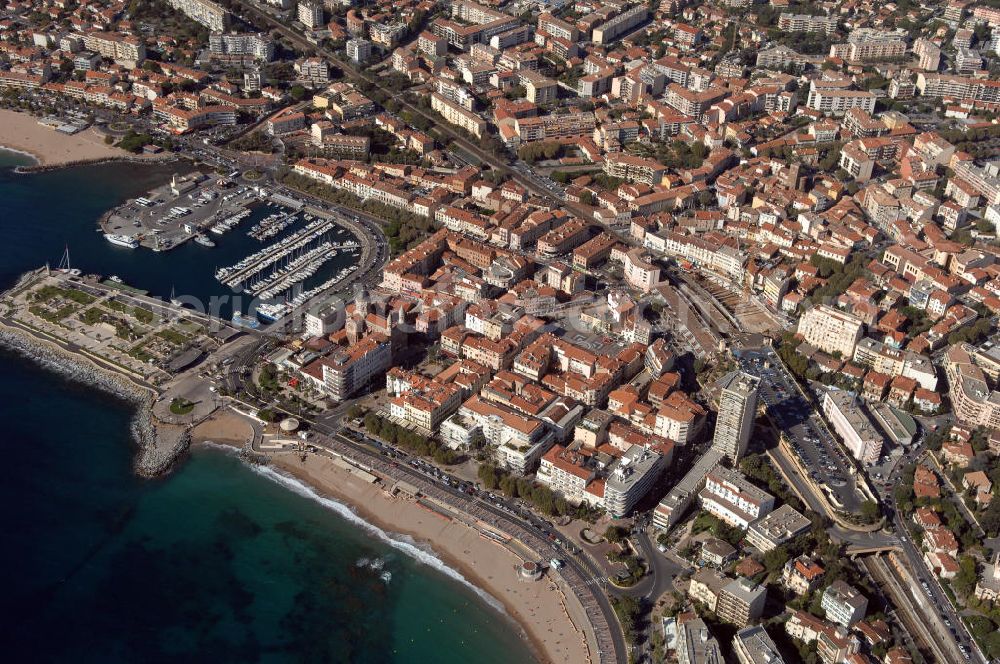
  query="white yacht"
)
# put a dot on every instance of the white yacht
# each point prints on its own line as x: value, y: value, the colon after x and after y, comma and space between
x: 122, y: 240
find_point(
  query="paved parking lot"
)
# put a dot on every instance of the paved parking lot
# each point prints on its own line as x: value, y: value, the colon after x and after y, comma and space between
x: 828, y: 465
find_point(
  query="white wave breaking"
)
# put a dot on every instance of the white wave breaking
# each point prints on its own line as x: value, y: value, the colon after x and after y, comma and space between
x: 401, y: 543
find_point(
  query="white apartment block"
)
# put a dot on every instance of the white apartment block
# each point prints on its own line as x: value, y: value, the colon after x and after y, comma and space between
x: 774, y: 529
x: 831, y: 330
x: 124, y: 50
x: 347, y: 371
x: 838, y: 102
x: 852, y: 424
x: 565, y: 472
x: 737, y: 410
x: 894, y: 362
x: 612, y: 29
x: 807, y: 23
x: 310, y: 14
x: 456, y: 115
x: 843, y: 603
x: 209, y: 14
x: 631, y: 479
x: 729, y: 496
x: 256, y: 45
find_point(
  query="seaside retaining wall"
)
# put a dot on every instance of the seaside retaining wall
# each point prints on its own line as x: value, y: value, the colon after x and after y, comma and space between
x: 42, y: 168
x: 158, y: 448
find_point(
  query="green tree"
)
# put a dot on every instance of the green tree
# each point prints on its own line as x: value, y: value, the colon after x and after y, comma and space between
x: 870, y: 511
x: 775, y: 559
x: 966, y: 578
x: 616, y: 534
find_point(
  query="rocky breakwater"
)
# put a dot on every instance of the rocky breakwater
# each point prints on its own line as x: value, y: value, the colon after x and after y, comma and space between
x: 159, y: 444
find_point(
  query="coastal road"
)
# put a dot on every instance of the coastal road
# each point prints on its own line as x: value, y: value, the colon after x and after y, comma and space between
x: 610, y: 640
x: 578, y: 573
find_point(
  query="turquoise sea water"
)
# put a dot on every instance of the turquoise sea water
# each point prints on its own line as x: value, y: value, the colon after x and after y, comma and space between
x: 216, y: 562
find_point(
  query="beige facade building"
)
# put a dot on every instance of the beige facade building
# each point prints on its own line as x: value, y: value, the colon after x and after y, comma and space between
x: 831, y: 330
x: 456, y: 115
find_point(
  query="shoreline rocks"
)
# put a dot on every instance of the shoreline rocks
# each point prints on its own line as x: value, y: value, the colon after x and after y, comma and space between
x: 159, y: 445
x: 44, y: 168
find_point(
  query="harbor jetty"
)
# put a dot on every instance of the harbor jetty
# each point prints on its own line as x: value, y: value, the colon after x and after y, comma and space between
x: 141, y: 350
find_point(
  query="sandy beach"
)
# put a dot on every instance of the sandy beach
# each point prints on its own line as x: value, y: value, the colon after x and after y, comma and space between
x: 21, y: 132
x: 538, y: 607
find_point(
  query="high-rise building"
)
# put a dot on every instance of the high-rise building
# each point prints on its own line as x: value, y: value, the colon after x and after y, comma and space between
x: 753, y: 646
x: 310, y: 14
x: 251, y: 45
x: 741, y: 602
x: 844, y: 603
x: 129, y: 51
x: 737, y: 406
x: 359, y: 50
x: 729, y: 496
x: 632, y: 479
x: 213, y: 16
x: 696, y: 645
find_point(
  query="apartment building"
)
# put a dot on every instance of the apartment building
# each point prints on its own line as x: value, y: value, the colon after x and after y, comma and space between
x: 752, y: 645
x: 563, y: 238
x: 838, y: 101
x: 960, y: 88
x: 780, y: 57
x: 692, y: 102
x: 124, y: 50
x: 856, y: 162
x: 456, y: 115
x: 359, y: 50
x: 567, y: 472
x: 831, y: 330
x: 314, y: 71
x: 807, y: 23
x: 426, y: 405
x: 519, y: 440
x: 432, y: 45
x: 679, y: 418
x: 485, y: 24
x: 866, y: 45
x: 772, y: 530
x: 706, y: 586
x: 211, y: 15
x: 181, y: 120
x: 539, y: 89
x: 594, y: 252
x: 696, y: 645
x: 286, y: 121
x: 880, y: 357
x: 556, y: 27
x: 973, y: 400
x: 741, y: 602
x: 614, y: 28
x: 802, y: 575
x: 257, y: 46
x: 347, y: 371
x: 847, y: 416
x: 843, y: 603
x: 967, y: 61
x: 737, y: 410
x: 310, y: 14
x: 553, y: 127
x: 630, y: 479
x: 729, y: 496
x: 640, y: 272
x: 634, y: 169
